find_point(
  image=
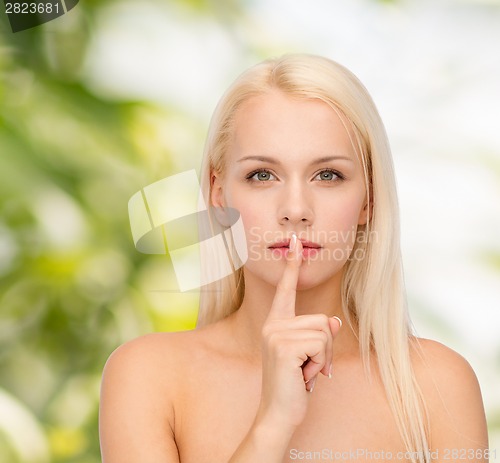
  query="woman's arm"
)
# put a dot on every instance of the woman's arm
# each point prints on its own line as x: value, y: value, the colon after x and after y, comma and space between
x: 136, y: 412
x: 457, y: 418
x: 295, y: 349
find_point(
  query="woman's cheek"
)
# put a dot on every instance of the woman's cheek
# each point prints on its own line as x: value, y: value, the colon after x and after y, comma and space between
x: 253, y: 234
x: 341, y: 234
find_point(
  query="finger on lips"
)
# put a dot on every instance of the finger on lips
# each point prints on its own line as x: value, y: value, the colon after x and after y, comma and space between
x: 284, y: 299
x: 318, y: 348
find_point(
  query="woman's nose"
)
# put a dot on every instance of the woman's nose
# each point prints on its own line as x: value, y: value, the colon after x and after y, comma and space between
x: 295, y: 204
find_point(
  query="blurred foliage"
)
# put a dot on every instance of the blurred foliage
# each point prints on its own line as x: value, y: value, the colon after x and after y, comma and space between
x: 72, y: 285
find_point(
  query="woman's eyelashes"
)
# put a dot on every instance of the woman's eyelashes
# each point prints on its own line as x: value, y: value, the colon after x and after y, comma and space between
x: 330, y: 175
x: 265, y: 175
x: 260, y: 175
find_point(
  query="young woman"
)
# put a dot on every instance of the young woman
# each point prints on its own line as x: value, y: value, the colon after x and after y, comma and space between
x: 271, y: 374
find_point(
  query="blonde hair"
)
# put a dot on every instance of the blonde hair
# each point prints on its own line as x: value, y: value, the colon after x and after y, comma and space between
x: 373, y: 295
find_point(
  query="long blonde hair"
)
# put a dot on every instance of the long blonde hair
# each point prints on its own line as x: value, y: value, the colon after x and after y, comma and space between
x: 373, y: 295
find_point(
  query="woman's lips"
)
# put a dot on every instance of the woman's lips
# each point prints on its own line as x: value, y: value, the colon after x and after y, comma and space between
x: 306, y: 252
x: 309, y: 248
x: 286, y: 244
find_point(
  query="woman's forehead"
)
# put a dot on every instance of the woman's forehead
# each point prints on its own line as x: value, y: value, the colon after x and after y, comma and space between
x: 289, y: 126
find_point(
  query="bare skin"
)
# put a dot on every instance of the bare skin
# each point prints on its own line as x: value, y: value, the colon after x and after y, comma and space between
x: 239, y: 390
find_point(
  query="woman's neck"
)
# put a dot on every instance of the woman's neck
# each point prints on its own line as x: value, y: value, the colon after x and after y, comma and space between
x: 247, y: 322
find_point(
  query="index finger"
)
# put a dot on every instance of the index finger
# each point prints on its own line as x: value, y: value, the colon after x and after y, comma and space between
x: 283, y: 305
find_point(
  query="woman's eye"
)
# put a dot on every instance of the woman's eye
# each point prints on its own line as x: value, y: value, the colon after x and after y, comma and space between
x: 260, y: 175
x: 328, y: 175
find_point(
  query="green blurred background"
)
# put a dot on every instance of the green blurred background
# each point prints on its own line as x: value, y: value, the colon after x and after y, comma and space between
x: 116, y: 95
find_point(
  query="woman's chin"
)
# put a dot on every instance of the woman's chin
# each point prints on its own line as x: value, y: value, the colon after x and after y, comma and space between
x: 312, y: 274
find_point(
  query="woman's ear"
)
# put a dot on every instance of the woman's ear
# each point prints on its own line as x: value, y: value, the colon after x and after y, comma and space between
x: 217, y: 201
x: 366, y: 212
x: 216, y: 194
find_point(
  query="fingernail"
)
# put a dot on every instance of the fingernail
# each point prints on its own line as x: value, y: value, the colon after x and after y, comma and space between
x: 340, y: 321
x: 312, y: 382
x: 330, y: 371
x: 293, y: 242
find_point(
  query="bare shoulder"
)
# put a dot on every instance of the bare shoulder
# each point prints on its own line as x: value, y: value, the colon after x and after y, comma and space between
x: 149, y: 352
x: 437, y: 365
x: 439, y: 358
x: 152, y: 365
x: 142, y: 380
x: 452, y: 395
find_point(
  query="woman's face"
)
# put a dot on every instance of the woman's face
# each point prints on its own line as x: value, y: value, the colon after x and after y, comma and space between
x: 291, y: 168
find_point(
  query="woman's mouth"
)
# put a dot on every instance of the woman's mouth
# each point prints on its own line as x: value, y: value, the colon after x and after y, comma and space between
x: 309, y: 248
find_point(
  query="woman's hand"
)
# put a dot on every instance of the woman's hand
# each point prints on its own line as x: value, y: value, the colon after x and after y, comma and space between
x: 295, y: 350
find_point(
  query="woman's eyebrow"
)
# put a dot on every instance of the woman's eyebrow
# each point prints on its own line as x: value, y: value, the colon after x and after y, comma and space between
x: 330, y: 158
x: 275, y: 161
